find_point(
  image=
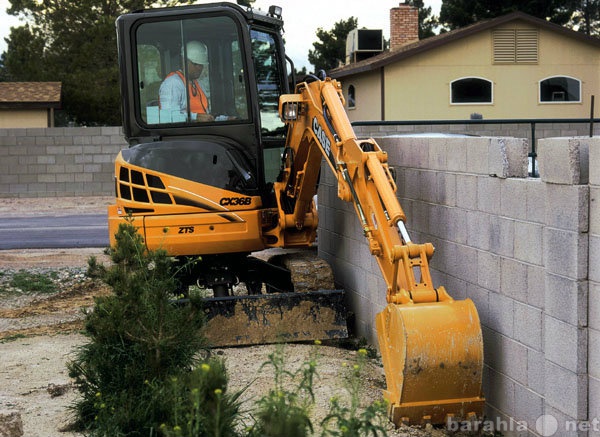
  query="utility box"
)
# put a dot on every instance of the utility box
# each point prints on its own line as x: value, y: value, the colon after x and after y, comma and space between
x: 362, y: 44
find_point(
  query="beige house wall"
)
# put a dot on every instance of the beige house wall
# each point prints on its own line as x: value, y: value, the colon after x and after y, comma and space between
x: 367, y: 96
x: 418, y: 88
x: 23, y: 118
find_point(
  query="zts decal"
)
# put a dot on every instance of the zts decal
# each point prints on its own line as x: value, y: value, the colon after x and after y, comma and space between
x: 186, y: 229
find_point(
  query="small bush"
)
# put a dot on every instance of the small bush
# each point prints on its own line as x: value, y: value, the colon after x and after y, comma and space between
x: 138, y: 341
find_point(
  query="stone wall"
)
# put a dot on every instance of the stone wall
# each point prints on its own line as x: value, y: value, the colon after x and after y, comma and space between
x: 523, y: 249
x: 50, y: 162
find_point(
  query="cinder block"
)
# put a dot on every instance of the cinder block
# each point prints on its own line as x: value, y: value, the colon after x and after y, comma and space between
x: 528, y: 325
x: 512, y: 193
x: 500, y: 392
x: 529, y: 405
x: 478, y: 229
x: 513, y: 279
x: 507, y: 157
x: 594, y: 272
x: 457, y: 154
x: 594, y: 305
x: 536, y: 286
x: 565, y: 160
x: 536, y: 200
x: 566, y: 391
x: 477, y: 156
x: 594, y: 162
x: 466, y: 191
x: 567, y: 207
x: 488, y: 271
x: 455, y: 226
x: 594, y: 407
x: 502, y: 236
x: 528, y: 241
x: 566, y: 299
x: 594, y: 353
x: 566, y: 253
x: 501, y: 314
x: 438, y: 154
x: 536, y: 371
x: 595, y: 209
x: 488, y: 195
x: 565, y: 345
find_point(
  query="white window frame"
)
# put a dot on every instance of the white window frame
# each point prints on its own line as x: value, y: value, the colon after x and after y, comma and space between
x: 559, y: 102
x: 491, y: 102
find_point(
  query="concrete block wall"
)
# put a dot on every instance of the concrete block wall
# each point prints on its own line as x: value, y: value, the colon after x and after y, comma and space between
x: 526, y: 251
x: 593, y: 320
x: 50, y: 162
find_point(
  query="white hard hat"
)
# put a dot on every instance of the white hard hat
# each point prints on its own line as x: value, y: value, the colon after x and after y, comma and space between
x: 197, y: 52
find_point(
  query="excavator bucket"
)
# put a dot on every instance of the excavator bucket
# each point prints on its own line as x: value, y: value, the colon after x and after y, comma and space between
x: 277, y: 317
x: 433, y: 360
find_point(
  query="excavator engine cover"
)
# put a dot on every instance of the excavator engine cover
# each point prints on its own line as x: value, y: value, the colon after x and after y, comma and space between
x: 433, y: 359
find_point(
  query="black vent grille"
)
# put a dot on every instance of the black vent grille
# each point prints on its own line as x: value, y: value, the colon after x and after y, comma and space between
x: 142, y: 187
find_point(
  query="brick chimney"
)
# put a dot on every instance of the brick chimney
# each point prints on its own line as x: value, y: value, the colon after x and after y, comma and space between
x: 404, y: 25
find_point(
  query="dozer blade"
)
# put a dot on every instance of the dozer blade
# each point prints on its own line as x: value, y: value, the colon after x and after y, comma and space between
x: 277, y: 317
x: 433, y: 360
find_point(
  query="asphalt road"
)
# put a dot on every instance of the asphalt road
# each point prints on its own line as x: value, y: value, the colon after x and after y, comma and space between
x: 54, y: 232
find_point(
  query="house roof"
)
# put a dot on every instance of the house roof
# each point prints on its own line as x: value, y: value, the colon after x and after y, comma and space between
x: 30, y: 94
x: 424, y: 45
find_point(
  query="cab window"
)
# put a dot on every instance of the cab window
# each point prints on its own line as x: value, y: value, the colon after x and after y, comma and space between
x: 190, y: 71
x: 268, y: 80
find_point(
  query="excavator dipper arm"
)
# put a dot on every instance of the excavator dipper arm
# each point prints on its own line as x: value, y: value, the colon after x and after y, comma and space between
x: 431, y: 345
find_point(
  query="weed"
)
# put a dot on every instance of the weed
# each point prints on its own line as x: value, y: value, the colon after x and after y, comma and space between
x: 285, y: 410
x: 29, y: 282
x: 352, y: 420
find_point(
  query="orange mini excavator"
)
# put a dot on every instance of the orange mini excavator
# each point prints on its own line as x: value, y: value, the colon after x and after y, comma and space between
x: 227, y: 186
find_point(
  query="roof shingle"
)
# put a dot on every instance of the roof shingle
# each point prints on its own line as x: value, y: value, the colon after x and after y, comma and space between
x: 30, y: 92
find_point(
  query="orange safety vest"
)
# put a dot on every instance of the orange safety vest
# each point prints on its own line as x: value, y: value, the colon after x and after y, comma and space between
x: 198, y: 100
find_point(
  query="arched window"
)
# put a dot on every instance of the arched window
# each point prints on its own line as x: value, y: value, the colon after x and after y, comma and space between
x: 351, y: 97
x: 470, y: 90
x: 560, y: 89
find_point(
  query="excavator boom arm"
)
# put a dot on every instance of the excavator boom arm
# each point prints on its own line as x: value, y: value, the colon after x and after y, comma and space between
x: 431, y: 345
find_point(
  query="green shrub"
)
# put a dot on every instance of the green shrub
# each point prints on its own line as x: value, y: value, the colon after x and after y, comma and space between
x: 138, y: 341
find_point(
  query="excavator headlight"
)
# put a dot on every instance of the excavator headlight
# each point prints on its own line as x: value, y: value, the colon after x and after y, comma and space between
x: 289, y: 111
x: 275, y: 11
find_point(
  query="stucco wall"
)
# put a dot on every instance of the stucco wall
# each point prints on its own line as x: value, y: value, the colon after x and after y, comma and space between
x: 23, y: 118
x: 524, y: 250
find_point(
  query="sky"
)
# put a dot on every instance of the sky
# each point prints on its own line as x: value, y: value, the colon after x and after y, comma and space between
x: 302, y: 18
